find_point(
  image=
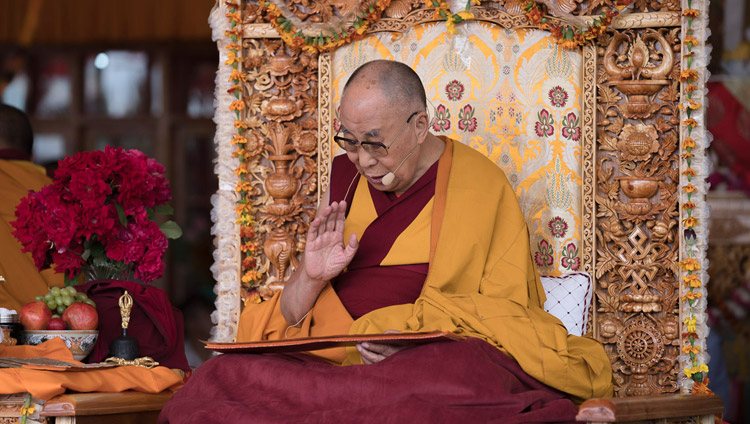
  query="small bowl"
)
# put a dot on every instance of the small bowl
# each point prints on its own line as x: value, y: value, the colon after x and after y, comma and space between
x: 80, y: 342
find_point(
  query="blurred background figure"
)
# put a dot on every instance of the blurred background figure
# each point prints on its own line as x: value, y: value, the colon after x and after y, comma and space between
x: 21, y: 280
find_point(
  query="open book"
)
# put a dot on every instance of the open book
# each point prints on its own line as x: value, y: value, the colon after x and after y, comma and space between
x: 305, y: 344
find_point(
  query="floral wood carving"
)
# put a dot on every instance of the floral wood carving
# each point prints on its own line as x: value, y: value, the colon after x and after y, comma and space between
x: 637, y: 209
x: 596, y: 7
x: 281, y: 96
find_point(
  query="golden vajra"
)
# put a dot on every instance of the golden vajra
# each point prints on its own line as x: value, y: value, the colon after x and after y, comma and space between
x: 126, y: 304
x: 145, y: 362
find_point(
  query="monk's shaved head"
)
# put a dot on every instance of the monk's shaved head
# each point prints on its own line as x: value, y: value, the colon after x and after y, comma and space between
x: 396, y: 81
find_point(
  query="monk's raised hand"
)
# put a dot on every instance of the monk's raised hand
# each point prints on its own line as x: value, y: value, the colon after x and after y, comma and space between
x: 325, y: 253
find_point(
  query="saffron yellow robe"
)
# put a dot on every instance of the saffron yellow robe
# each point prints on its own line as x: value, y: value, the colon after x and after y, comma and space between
x: 23, y: 279
x: 481, y: 283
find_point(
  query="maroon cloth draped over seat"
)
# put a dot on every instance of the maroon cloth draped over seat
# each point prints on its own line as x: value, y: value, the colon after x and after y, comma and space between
x: 154, y: 322
x: 467, y: 381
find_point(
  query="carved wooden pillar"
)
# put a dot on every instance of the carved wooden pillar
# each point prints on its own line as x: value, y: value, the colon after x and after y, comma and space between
x: 281, y: 87
x: 637, y: 209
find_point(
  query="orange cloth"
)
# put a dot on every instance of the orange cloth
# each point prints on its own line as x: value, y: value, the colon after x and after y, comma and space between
x: 48, y: 384
x: 23, y: 279
x: 264, y: 321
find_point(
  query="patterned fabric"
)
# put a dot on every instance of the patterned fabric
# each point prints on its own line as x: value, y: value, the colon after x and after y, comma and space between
x: 512, y: 95
x: 569, y: 300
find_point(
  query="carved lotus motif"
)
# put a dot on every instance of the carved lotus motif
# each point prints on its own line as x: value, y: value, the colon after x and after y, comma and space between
x: 281, y: 65
x: 671, y: 328
x: 278, y: 109
x: 255, y: 142
x: 608, y: 328
x: 638, y: 142
x: 306, y: 144
x: 253, y: 58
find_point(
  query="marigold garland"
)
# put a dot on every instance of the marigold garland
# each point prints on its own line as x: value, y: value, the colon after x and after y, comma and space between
x: 569, y: 36
x: 27, y: 409
x: 451, y: 19
x: 696, y: 371
x: 294, y: 37
x: 244, y: 210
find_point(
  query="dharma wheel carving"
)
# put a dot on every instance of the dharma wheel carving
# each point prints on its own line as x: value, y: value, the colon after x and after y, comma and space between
x: 640, y: 346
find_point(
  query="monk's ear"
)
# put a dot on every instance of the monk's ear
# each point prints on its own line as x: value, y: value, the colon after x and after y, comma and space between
x: 422, y: 126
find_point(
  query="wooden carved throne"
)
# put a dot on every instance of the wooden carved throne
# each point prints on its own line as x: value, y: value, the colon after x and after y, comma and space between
x: 601, y: 136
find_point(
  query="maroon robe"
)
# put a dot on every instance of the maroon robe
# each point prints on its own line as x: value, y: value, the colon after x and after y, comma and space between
x: 467, y: 381
x: 396, y: 284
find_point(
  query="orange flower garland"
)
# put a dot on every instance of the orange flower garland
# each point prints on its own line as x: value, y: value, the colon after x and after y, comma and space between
x: 568, y: 36
x: 696, y: 371
x: 451, y: 19
x: 244, y: 210
x: 294, y: 37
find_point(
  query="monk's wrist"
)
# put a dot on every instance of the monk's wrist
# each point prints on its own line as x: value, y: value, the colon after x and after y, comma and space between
x: 318, y: 283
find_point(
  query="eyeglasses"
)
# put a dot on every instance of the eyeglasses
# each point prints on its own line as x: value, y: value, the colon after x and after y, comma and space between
x: 374, y: 148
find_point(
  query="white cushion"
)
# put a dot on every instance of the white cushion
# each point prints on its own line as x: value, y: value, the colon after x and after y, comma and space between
x: 569, y: 299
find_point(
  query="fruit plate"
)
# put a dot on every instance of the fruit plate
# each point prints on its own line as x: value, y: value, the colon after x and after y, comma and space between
x: 80, y: 342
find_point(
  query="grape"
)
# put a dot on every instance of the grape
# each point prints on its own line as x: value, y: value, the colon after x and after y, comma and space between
x: 49, y: 296
x: 81, y: 297
x: 71, y: 290
x: 51, y: 304
x: 58, y: 300
x: 67, y: 300
x: 55, y: 290
x: 60, y: 309
x: 90, y: 302
x: 39, y: 298
x: 55, y: 316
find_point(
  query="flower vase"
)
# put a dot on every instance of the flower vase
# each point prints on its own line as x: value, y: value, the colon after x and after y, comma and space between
x: 107, y: 271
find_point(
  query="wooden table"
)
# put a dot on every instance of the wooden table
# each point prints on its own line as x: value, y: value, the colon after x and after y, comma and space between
x: 114, y: 408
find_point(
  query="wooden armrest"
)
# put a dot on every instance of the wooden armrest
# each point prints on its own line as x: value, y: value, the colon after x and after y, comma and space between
x: 80, y: 404
x: 638, y: 408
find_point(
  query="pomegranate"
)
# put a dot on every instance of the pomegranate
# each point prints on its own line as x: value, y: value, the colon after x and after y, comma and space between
x: 56, y: 324
x: 35, y: 316
x: 81, y: 316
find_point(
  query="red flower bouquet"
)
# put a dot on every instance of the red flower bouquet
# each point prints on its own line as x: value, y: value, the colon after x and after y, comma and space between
x: 98, y: 212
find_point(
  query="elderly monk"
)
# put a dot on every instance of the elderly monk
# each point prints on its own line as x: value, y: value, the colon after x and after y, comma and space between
x: 22, y: 280
x: 417, y: 233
